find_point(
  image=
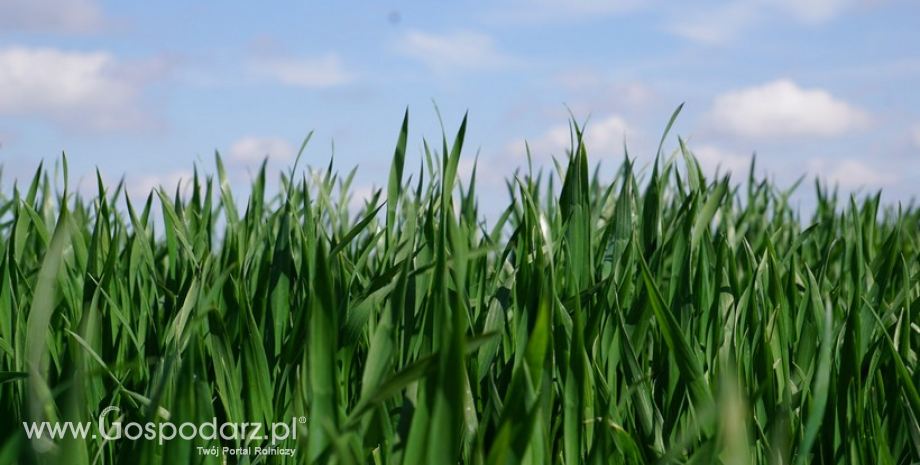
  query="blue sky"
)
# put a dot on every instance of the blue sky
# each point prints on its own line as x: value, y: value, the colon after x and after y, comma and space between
x: 146, y: 90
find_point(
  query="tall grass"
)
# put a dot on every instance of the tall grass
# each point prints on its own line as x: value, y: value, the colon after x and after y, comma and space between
x: 661, y: 318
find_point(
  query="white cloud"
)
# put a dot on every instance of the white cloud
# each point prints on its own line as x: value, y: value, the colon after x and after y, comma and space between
x: 538, y: 11
x: 633, y: 93
x: 916, y: 135
x: 783, y: 109
x: 490, y: 173
x: 453, y: 51
x: 811, y: 11
x: 89, y: 91
x: 601, y: 136
x: 718, y: 24
x: 51, y: 15
x: 7, y: 137
x: 316, y: 73
x: 597, y: 90
x: 255, y: 149
x: 359, y: 196
x: 579, y: 79
x: 851, y: 173
x: 607, y: 134
x: 713, y: 159
x: 722, y: 22
x: 139, y: 186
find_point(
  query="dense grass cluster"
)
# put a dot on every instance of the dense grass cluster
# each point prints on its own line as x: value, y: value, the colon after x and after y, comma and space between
x: 660, y: 318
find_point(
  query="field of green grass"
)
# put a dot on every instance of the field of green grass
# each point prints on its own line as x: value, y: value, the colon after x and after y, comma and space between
x: 665, y: 317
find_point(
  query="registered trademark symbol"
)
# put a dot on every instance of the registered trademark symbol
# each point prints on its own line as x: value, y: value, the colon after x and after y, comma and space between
x: 303, y: 420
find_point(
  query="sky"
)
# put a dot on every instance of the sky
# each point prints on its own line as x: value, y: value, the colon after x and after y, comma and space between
x: 146, y: 91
